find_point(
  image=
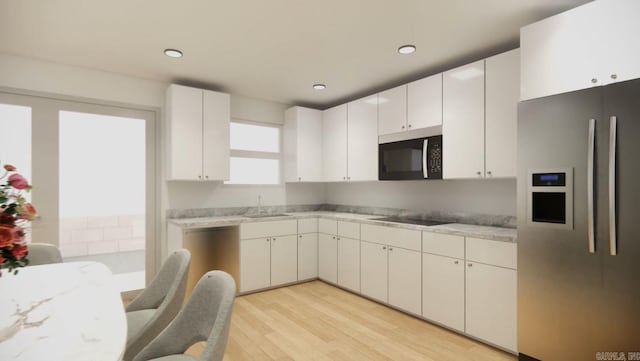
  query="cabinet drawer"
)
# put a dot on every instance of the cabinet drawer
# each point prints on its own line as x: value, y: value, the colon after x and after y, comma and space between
x: 308, y: 225
x: 268, y: 229
x: 349, y: 229
x: 398, y: 237
x: 443, y: 244
x: 503, y: 254
x: 327, y: 226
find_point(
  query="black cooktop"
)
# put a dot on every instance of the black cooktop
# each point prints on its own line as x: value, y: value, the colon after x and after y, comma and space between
x: 422, y: 222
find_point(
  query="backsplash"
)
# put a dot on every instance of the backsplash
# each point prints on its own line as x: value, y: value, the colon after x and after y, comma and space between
x: 445, y: 216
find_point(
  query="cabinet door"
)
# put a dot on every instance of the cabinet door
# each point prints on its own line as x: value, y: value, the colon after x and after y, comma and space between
x: 284, y: 260
x: 392, y: 110
x: 215, y: 136
x: 491, y: 304
x: 328, y: 258
x: 501, y: 124
x: 620, y: 49
x: 349, y: 263
x: 443, y: 290
x: 362, y: 139
x: 373, y: 271
x: 184, y: 115
x: 424, y: 102
x: 405, y: 279
x: 562, y: 53
x: 463, y: 122
x: 334, y: 136
x: 303, y: 145
x: 307, y: 256
x: 255, y: 264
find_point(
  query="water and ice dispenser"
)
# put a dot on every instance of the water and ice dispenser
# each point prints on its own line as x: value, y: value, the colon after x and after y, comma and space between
x: 550, y: 198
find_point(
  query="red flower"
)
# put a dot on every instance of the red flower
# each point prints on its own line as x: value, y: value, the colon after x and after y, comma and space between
x: 9, y: 167
x: 6, y: 235
x: 17, y: 181
x: 19, y: 250
x: 31, y: 210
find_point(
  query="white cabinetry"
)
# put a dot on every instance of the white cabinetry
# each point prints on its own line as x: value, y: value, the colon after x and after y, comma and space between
x: 501, y: 124
x: 443, y: 290
x: 198, y: 133
x: 268, y: 254
x: 307, y: 248
x: 424, y: 102
x: 328, y: 258
x: 362, y: 139
x: 303, y: 145
x: 349, y: 263
x: 491, y: 291
x: 463, y: 121
x: 392, y: 110
x: 334, y: 143
x: 390, y: 270
x: 590, y: 45
x: 373, y: 271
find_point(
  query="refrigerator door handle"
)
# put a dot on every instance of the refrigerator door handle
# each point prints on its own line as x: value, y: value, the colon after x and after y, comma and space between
x: 425, y: 170
x: 613, y: 242
x: 590, y: 189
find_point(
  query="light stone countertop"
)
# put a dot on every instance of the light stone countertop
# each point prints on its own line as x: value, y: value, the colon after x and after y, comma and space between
x: 61, y: 312
x: 466, y: 230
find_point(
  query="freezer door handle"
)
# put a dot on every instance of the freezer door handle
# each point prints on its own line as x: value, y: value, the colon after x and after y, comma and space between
x: 613, y: 242
x: 425, y: 148
x: 590, y: 190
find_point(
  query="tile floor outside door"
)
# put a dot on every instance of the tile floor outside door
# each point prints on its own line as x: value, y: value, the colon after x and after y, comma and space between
x: 316, y: 321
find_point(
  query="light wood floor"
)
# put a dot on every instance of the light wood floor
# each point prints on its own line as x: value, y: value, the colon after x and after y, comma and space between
x: 316, y: 321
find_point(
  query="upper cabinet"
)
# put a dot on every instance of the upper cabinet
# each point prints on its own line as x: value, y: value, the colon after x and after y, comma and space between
x: 362, y: 139
x: 424, y: 102
x: 392, y: 110
x: 198, y: 134
x: 334, y: 143
x: 463, y: 122
x: 303, y: 145
x: 591, y: 45
x: 502, y: 73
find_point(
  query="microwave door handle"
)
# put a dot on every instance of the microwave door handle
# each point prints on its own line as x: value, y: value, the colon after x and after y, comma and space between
x: 425, y: 171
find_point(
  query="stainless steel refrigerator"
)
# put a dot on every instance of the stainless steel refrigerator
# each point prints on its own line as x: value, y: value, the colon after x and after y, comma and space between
x: 579, y: 225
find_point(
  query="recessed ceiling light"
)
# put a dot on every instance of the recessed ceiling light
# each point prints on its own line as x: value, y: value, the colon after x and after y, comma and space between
x: 407, y: 49
x: 319, y: 86
x: 173, y: 53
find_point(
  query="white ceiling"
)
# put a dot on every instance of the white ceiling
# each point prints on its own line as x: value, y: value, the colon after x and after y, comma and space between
x: 270, y: 49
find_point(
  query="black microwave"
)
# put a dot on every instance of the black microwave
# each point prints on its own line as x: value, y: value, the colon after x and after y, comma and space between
x: 411, y: 159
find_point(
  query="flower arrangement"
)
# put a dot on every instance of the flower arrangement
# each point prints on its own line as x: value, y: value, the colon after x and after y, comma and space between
x: 15, y: 214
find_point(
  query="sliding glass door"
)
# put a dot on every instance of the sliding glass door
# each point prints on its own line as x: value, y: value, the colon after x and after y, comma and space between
x: 93, y: 171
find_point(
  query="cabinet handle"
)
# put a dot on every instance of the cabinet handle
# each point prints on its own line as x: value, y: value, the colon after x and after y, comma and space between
x: 344, y: 178
x: 594, y: 80
x: 614, y: 76
x: 300, y: 236
x: 479, y: 173
x: 409, y: 126
x: 488, y: 172
x: 267, y: 239
x: 199, y: 177
x: 299, y: 178
x: 470, y: 265
x: 390, y: 249
x: 333, y: 237
x: 338, y: 238
x: 384, y: 247
x: 403, y: 127
x: 455, y: 262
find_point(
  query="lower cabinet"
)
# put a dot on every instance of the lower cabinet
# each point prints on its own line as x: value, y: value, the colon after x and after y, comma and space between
x: 307, y: 256
x: 373, y: 271
x: 349, y: 263
x: 443, y: 290
x: 491, y: 304
x: 267, y: 262
x: 328, y: 258
x: 405, y: 291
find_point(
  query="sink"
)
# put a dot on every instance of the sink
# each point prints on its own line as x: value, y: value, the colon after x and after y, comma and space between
x: 266, y: 215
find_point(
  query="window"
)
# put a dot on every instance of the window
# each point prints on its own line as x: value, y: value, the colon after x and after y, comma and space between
x: 255, y: 154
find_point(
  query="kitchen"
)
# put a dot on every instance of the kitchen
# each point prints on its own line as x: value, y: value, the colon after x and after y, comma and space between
x: 298, y: 190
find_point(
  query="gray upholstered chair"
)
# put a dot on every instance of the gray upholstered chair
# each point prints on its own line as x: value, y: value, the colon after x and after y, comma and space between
x: 43, y: 253
x: 150, y: 312
x: 206, y: 316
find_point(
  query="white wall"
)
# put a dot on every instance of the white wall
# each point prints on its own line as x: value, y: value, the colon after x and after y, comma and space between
x: 495, y: 196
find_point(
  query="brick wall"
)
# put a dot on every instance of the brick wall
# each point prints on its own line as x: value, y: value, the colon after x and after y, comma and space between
x: 82, y: 236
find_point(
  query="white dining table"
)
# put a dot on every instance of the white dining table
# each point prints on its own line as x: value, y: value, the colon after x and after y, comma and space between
x: 61, y: 312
